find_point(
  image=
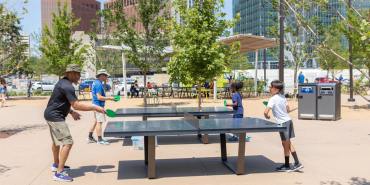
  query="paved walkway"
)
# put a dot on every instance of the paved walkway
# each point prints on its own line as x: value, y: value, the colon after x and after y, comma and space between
x: 332, y: 152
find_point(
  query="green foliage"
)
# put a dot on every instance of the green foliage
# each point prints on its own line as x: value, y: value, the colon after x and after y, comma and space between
x: 58, y: 46
x: 12, y: 56
x: 37, y: 92
x: 12, y: 93
x: 147, y: 47
x: 240, y: 62
x: 198, y: 55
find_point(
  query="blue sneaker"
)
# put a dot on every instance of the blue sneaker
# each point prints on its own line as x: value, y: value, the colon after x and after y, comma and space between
x: 234, y: 138
x: 297, y: 166
x: 282, y: 168
x: 247, y: 139
x: 62, y: 176
x: 102, y: 142
x: 54, y: 168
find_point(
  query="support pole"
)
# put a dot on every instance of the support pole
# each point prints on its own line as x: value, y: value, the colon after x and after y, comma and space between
x: 264, y: 51
x: 281, y: 55
x: 124, y: 74
x: 215, y: 89
x: 351, y: 99
x: 255, y: 75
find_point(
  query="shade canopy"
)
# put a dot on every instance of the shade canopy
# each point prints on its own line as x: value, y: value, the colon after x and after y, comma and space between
x: 250, y: 43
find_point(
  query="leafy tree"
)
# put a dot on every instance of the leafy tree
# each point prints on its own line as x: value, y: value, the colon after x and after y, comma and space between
x: 359, y: 29
x: 198, y: 55
x: 58, y: 46
x: 11, y: 48
x: 100, y: 36
x: 297, y: 40
x: 335, y: 41
x: 240, y: 62
x: 147, y: 47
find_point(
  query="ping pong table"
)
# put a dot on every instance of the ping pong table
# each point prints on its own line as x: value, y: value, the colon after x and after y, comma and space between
x: 175, y: 111
x: 192, y: 125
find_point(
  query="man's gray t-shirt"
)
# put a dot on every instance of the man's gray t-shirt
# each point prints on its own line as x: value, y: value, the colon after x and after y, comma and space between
x: 29, y: 84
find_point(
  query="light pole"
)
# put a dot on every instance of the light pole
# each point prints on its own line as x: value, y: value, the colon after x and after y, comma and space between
x: 351, y: 99
x: 264, y: 51
x: 281, y: 55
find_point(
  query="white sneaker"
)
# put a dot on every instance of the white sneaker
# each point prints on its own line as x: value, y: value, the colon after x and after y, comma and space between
x: 103, y: 142
x: 90, y: 140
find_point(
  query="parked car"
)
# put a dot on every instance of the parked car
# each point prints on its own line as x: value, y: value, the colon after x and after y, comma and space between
x: 46, y: 86
x: 9, y: 83
x: 345, y: 81
x: 324, y: 80
x: 88, y: 84
x: 174, y: 84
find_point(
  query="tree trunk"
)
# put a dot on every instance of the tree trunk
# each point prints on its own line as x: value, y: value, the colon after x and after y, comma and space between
x: 144, y: 93
x: 295, y: 77
x: 369, y: 70
x: 199, y: 94
x: 40, y: 82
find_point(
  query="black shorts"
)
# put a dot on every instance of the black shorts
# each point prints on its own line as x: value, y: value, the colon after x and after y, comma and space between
x: 285, y: 136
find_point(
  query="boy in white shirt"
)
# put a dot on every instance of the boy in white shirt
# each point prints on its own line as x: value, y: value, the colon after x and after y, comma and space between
x: 280, y: 109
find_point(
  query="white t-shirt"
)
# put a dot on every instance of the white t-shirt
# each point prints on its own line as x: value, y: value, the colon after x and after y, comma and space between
x: 278, y: 105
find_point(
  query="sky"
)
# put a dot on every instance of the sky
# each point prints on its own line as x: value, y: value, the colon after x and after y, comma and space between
x: 31, y: 21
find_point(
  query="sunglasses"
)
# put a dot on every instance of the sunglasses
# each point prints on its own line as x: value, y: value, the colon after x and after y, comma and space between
x: 272, y: 87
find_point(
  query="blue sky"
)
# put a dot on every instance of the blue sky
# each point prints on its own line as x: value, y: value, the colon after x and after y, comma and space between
x: 31, y: 21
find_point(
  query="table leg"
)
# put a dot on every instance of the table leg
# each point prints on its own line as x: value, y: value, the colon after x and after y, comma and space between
x: 145, y: 118
x: 241, y: 154
x: 146, y: 149
x: 151, y: 157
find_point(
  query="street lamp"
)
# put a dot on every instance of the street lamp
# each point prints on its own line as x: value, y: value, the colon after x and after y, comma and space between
x: 264, y: 51
x: 281, y: 54
x: 351, y: 99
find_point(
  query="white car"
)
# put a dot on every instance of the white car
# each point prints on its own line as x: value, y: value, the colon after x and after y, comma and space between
x: 46, y: 86
x: 121, y: 86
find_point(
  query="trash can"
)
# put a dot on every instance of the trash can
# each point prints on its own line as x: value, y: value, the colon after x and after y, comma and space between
x: 328, y: 101
x: 307, y: 101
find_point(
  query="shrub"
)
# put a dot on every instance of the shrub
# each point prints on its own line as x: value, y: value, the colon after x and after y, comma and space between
x: 37, y: 92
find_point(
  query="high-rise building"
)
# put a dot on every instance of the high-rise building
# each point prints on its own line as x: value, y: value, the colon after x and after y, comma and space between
x: 26, y: 40
x: 84, y: 9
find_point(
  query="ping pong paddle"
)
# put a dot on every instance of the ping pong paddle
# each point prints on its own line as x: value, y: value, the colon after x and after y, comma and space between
x: 265, y: 103
x: 117, y: 98
x: 110, y: 113
x: 225, y: 102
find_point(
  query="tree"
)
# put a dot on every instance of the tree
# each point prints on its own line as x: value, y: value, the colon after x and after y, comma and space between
x: 11, y: 48
x: 360, y: 30
x: 147, y: 47
x: 198, y: 55
x: 58, y: 46
x: 100, y: 36
x: 240, y: 62
x: 297, y: 40
x: 335, y: 41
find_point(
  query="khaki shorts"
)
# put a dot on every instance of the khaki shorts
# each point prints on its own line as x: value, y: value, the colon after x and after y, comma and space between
x: 99, y: 117
x: 59, y: 132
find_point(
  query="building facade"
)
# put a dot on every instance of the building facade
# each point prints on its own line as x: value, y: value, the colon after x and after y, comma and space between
x: 84, y: 9
x: 26, y: 40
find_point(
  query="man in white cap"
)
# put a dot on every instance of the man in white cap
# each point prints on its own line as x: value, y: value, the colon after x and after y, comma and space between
x: 58, y: 108
x: 98, y: 100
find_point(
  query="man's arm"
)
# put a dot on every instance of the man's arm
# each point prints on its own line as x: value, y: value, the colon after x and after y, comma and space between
x: 232, y: 104
x: 266, y: 113
x: 288, y: 108
x: 102, y: 98
x: 78, y: 106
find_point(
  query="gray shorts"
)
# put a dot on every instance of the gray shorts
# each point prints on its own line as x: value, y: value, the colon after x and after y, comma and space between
x: 285, y: 136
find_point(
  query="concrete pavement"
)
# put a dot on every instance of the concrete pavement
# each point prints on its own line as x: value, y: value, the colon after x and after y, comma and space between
x: 332, y: 152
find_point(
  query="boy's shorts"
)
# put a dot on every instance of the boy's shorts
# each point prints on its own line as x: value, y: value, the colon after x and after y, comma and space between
x: 59, y: 132
x: 99, y: 117
x: 285, y: 136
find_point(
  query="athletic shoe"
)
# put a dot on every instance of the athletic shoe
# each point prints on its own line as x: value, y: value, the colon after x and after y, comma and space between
x: 297, y: 166
x: 247, y: 139
x: 282, y: 168
x: 54, y: 168
x: 90, y: 140
x: 103, y: 142
x: 234, y: 138
x: 62, y: 176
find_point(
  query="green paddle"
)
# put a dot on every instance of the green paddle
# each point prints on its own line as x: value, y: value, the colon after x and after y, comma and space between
x: 265, y: 103
x: 116, y: 98
x: 110, y: 113
x: 225, y: 102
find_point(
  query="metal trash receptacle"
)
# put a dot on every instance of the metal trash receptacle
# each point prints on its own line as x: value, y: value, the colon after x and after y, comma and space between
x: 328, y: 101
x: 307, y: 101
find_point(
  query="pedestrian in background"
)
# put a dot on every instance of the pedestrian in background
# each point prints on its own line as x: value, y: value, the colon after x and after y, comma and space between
x: 29, y: 85
x: 300, y: 78
x: 3, y: 92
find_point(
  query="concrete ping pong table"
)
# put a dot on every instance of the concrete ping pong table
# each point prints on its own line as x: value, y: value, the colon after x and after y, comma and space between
x: 192, y: 125
x: 175, y: 111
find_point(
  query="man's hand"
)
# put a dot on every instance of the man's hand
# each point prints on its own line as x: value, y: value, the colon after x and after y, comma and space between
x: 114, y: 98
x: 267, y: 116
x: 76, y: 116
x: 100, y: 109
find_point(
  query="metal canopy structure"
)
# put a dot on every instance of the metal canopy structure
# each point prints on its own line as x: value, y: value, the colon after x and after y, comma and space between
x: 250, y: 43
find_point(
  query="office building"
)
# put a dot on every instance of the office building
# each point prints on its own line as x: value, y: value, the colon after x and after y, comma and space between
x: 26, y: 40
x: 84, y: 9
